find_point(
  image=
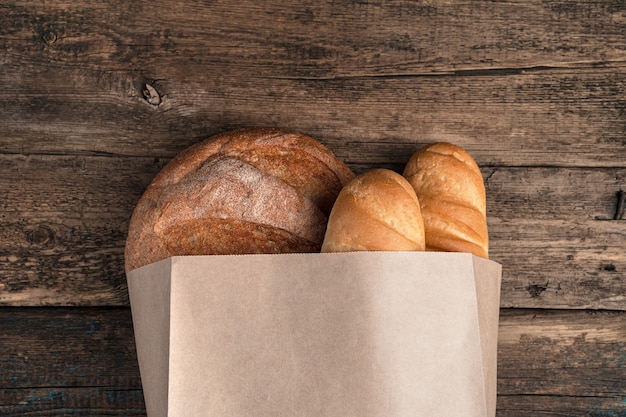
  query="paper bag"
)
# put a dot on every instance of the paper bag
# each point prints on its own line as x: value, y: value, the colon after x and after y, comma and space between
x: 363, y: 334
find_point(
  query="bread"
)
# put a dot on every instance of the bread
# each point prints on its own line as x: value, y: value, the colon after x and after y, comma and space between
x: 255, y: 190
x: 452, y: 197
x: 377, y: 211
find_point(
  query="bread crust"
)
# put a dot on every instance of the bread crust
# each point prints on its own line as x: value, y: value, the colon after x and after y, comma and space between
x: 450, y: 188
x: 254, y: 190
x: 378, y: 211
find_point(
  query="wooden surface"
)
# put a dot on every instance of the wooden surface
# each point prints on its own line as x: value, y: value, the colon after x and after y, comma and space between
x: 96, y: 97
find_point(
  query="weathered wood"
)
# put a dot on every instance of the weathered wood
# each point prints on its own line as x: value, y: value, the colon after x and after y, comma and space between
x: 317, y: 38
x: 68, y: 361
x: 554, y: 233
x: 64, y: 223
x: 72, y: 401
x: 546, y: 118
x: 554, y: 363
x: 580, y: 264
x: 63, y: 227
x: 558, y: 406
x: 518, y: 83
x: 82, y: 361
x: 96, y: 97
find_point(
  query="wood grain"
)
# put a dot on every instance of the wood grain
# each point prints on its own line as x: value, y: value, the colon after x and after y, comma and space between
x: 96, y: 97
x: 64, y: 222
x: 545, y: 118
x: 371, y: 80
x: 82, y: 361
x: 554, y: 233
x: 72, y: 401
x: 554, y: 363
x: 68, y: 362
x: 318, y: 39
x: 65, y: 218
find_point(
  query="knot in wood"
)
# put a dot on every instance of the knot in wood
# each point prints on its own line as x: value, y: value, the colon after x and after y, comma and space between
x: 535, y: 290
x: 608, y: 267
x: 49, y: 37
x: 151, y: 95
x: 40, y: 235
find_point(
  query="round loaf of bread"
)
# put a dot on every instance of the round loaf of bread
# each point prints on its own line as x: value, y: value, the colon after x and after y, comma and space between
x: 257, y: 190
x: 377, y: 211
x: 452, y: 196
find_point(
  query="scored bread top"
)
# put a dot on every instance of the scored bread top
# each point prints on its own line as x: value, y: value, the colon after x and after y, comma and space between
x: 297, y: 159
x: 256, y: 190
x: 377, y: 211
x: 450, y: 188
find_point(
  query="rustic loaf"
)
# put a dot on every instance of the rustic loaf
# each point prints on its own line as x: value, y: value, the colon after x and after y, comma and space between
x: 377, y: 211
x: 452, y: 197
x: 257, y: 190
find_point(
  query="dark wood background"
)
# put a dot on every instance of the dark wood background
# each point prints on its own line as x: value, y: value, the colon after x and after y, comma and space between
x: 95, y: 97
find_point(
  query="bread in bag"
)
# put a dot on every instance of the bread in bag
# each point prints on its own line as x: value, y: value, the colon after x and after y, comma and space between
x: 451, y: 192
x: 256, y: 190
x: 377, y: 211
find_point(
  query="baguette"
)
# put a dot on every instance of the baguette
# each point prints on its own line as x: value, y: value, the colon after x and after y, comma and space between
x: 451, y: 192
x: 377, y: 211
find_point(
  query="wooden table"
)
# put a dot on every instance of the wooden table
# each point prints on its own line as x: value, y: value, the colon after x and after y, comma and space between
x: 95, y: 97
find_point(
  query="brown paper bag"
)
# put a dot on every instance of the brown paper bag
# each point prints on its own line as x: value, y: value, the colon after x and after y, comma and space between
x: 385, y: 334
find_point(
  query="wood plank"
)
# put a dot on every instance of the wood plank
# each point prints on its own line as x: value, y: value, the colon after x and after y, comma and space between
x: 371, y: 79
x: 95, y: 98
x: 71, y: 401
x: 558, y: 406
x: 63, y: 227
x: 554, y: 233
x: 82, y: 361
x: 69, y: 362
x: 543, y: 118
x: 64, y: 222
x: 561, y: 363
x: 316, y: 38
x: 560, y: 263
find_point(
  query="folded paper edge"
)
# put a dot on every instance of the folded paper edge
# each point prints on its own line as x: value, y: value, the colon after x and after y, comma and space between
x: 487, y: 279
x: 150, y: 308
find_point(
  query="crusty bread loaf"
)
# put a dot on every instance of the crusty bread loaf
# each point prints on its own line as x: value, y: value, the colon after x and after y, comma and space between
x: 377, y: 211
x: 451, y: 192
x: 245, y: 191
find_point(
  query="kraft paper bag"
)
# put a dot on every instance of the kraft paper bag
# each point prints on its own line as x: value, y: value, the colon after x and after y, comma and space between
x: 362, y: 334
